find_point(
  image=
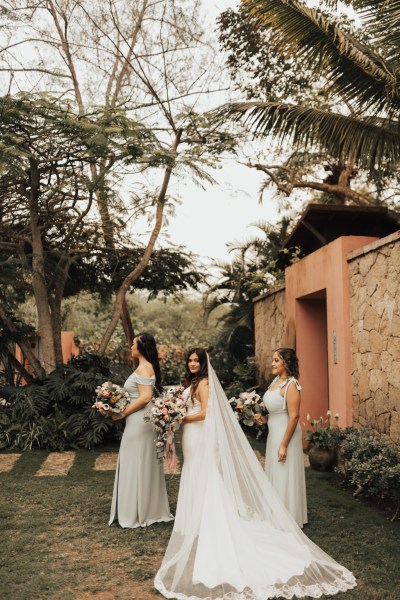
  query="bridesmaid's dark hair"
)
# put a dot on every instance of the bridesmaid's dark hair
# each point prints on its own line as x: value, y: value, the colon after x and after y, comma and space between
x: 290, y: 360
x: 193, y: 379
x: 147, y: 347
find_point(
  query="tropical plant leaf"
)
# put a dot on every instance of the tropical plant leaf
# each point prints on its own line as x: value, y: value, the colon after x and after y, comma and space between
x: 369, y: 142
x: 358, y: 74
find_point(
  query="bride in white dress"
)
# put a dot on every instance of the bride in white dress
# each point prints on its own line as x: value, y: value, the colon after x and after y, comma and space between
x: 233, y: 539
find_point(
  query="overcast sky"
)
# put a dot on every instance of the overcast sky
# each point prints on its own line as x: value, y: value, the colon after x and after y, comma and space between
x: 207, y: 220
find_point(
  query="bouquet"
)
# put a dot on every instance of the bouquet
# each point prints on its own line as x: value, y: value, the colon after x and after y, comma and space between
x: 111, y: 398
x: 250, y: 410
x: 166, y: 416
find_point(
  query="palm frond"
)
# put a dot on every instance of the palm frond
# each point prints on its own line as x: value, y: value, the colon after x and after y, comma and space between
x: 358, y: 74
x: 369, y: 142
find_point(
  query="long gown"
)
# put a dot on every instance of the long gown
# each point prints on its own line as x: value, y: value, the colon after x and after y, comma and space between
x: 233, y: 539
x: 140, y: 494
x: 191, y: 448
x: 287, y: 477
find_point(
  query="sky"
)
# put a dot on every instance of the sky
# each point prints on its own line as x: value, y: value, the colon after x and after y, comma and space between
x: 209, y: 219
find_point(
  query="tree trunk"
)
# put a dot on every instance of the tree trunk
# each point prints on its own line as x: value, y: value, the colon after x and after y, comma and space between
x: 38, y: 276
x: 26, y: 349
x: 127, y: 324
x: 140, y: 267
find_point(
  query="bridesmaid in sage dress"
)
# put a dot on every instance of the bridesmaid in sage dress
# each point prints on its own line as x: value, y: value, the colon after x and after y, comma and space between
x: 284, y: 462
x: 140, y: 495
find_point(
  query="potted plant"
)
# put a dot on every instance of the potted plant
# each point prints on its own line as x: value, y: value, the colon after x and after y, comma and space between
x: 324, y: 441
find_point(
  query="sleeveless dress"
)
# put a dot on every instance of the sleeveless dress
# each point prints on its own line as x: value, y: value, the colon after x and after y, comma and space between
x: 288, y: 478
x: 140, y: 494
x: 191, y: 449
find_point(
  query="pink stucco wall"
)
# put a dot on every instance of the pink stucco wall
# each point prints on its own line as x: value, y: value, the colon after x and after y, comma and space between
x: 317, y: 301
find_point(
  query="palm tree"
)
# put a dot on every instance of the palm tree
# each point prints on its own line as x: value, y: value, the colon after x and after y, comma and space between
x: 366, y: 82
x: 256, y: 266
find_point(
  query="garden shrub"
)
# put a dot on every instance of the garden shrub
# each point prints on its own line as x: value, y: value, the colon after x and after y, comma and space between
x: 372, y: 464
x: 56, y: 413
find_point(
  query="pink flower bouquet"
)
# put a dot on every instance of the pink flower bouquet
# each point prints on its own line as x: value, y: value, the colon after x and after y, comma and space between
x: 111, y: 398
x: 166, y: 415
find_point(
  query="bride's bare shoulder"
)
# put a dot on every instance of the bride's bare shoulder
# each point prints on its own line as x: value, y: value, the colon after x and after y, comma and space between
x: 203, y: 383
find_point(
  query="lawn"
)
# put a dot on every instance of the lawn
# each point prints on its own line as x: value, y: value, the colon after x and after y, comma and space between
x: 55, y: 541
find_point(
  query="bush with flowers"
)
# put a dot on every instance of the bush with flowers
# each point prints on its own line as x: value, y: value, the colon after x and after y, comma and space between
x: 322, y: 434
x: 250, y: 411
x: 166, y: 415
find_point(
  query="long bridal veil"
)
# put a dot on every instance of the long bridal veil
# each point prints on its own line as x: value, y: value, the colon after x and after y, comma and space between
x: 239, y: 542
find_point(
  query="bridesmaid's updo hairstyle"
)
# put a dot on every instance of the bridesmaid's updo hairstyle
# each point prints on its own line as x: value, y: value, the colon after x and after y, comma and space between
x: 147, y: 347
x: 193, y: 379
x: 290, y: 360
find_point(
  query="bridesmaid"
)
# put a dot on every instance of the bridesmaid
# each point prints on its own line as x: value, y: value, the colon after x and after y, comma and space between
x: 284, y: 462
x: 140, y: 495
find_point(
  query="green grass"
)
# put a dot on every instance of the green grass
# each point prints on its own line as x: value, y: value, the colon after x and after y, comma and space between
x: 55, y: 541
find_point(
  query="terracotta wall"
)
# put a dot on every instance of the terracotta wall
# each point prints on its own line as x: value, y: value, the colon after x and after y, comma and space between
x: 375, y: 329
x: 270, y: 325
x: 317, y: 284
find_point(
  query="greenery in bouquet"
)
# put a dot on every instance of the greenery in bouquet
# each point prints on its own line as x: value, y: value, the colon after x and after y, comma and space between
x: 110, y: 398
x: 322, y: 434
x: 250, y: 411
x: 166, y: 415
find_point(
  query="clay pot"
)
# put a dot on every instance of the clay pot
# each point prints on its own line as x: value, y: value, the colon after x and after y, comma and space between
x: 322, y: 460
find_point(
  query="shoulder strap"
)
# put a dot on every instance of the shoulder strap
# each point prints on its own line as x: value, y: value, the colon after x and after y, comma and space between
x: 296, y: 383
x: 273, y: 381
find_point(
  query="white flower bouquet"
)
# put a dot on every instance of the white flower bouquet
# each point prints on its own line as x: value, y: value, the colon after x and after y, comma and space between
x: 250, y: 410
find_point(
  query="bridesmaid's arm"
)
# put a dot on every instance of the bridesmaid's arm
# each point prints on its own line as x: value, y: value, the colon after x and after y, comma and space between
x: 202, y: 392
x: 293, y: 407
x: 145, y: 394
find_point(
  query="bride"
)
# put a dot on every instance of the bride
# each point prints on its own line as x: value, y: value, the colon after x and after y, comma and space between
x: 233, y: 539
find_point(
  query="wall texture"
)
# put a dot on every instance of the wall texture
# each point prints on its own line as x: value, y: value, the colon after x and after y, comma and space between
x: 270, y: 329
x: 374, y: 272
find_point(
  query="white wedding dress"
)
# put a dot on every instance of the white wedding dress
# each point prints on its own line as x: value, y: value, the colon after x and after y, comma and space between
x: 233, y: 539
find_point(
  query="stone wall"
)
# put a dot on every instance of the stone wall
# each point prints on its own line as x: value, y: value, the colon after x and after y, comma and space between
x: 270, y: 329
x: 375, y: 327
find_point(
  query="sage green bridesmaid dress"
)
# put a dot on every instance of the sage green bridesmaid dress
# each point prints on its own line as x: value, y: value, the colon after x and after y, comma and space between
x: 140, y: 494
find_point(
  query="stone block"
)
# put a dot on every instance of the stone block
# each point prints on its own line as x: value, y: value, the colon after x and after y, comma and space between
x: 382, y: 404
x: 371, y: 319
x: 386, y: 361
x: 372, y: 284
x: 373, y: 361
x: 363, y: 341
x: 361, y: 409
x: 366, y: 262
x: 356, y: 361
x: 394, y: 398
x: 393, y: 348
x: 376, y: 342
x: 383, y: 423
x: 370, y: 412
x: 393, y: 376
x: 378, y: 381
x: 363, y: 386
x: 394, y: 430
x: 394, y: 327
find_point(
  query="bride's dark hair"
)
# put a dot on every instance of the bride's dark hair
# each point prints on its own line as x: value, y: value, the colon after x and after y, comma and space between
x: 148, y: 348
x: 290, y: 360
x: 193, y: 379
